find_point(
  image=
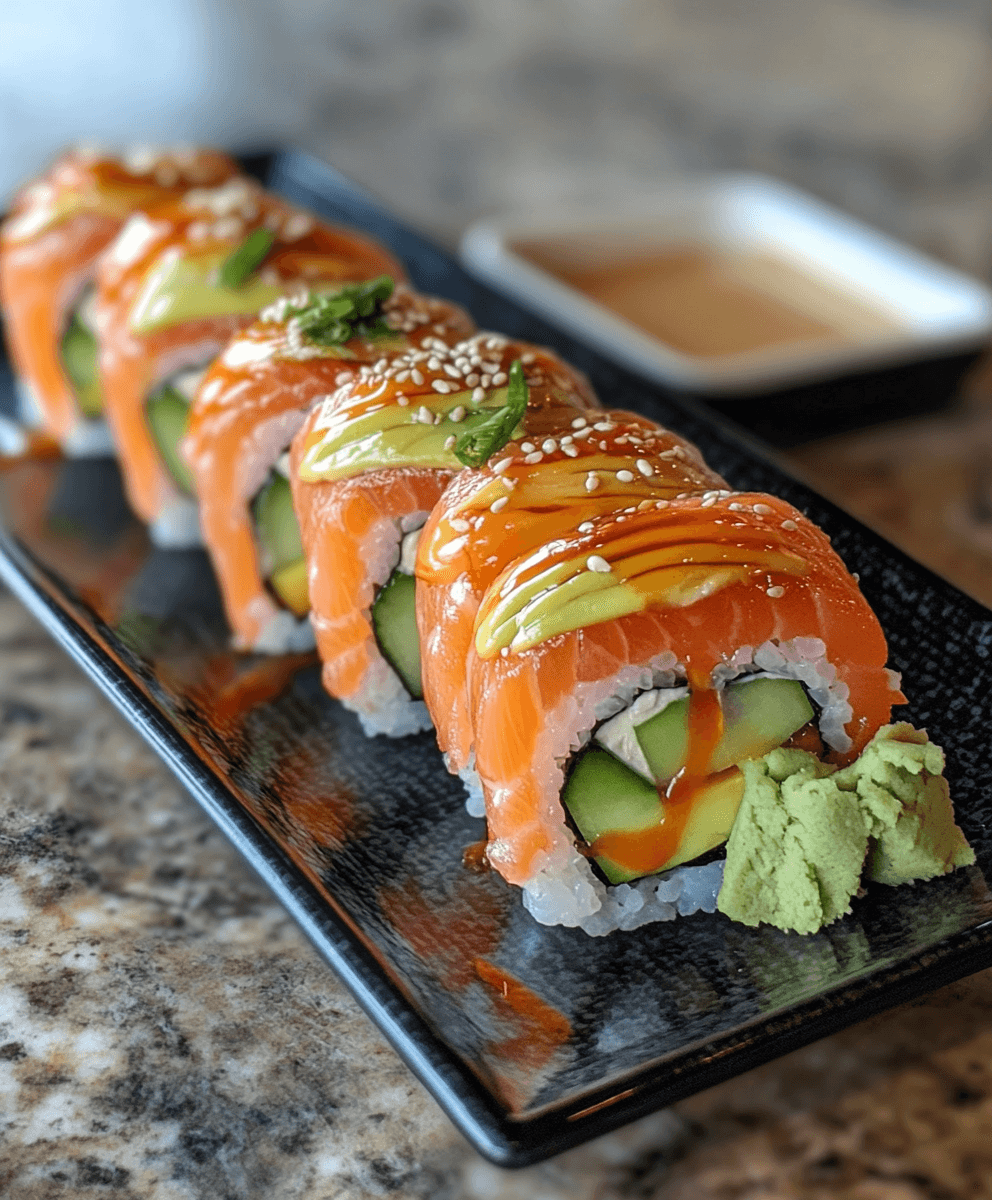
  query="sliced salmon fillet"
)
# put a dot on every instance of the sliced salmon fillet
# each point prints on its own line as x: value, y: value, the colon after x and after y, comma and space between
x: 249, y: 406
x: 712, y: 574
x: 574, y: 479
x: 352, y: 523
x: 58, y: 226
x: 137, y: 353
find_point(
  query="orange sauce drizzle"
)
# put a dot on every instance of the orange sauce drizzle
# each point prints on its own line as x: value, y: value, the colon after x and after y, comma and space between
x: 545, y: 1027
x: 474, y: 856
x: 645, y: 851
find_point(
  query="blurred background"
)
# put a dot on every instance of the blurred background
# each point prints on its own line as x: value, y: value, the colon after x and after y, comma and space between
x: 449, y: 109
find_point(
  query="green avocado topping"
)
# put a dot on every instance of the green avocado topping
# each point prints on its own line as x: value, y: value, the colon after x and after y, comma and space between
x: 186, y: 289
x: 421, y: 435
x: 806, y: 832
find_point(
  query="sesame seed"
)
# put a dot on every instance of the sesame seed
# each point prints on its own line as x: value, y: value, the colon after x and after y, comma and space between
x: 380, y: 366
x: 452, y: 370
x: 486, y: 380
x: 536, y: 457
x: 499, y: 505
x: 549, y: 445
x: 439, y: 385
x: 661, y: 504
x: 491, y: 367
x: 296, y: 227
x: 735, y: 507
x: 582, y: 434
x: 527, y: 358
x: 433, y: 364
x: 457, y: 414
x: 403, y: 401
x: 645, y: 467
x: 775, y: 592
x: 508, y: 483
x: 478, y: 395
x: 424, y: 415
x: 342, y: 378
x: 472, y: 380
x: 528, y: 447
x: 402, y: 376
x: 586, y: 527
x: 567, y: 439
x: 459, y: 525
x: 504, y: 652
x: 579, y: 423
x: 708, y: 502
x: 501, y: 466
x: 595, y: 563
x: 570, y: 451
x: 603, y: 426
x: 592, y: 481
x: 790, y: 525
x: 762, y: 510
x: 625, y: 476
x: 499, y: 379
x: 449, y: 442
x: 417, y: 378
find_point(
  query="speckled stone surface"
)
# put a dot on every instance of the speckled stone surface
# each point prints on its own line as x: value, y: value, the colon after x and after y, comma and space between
x: 165, y: 1032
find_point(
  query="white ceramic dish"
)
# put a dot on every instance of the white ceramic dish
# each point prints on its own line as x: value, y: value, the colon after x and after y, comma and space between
x: 919, y: 308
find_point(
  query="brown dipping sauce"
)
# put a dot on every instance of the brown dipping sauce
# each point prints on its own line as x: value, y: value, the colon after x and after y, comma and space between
x: 710, y: 303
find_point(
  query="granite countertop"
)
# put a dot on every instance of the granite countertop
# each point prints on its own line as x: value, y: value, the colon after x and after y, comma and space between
x: 167, y: 1034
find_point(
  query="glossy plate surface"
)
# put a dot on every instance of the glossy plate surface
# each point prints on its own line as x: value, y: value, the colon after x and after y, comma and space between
x: 532, y: 1039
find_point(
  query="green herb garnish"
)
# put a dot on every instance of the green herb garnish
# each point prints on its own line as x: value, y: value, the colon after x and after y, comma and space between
x: 354, y: 311
x: 246, y: 258
x: 477, y: 447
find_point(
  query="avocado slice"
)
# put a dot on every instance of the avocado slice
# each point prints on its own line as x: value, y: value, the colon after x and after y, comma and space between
x: 275, y: 519
x: 604, y: 796
x: 291, y: 585
x: 279, y: 534
x: 167, y: 413
x: 79, y: 355
x: 394, y: 618
x: 757, y: 717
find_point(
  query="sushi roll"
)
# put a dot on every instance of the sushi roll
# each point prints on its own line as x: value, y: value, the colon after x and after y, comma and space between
x: 516, y: 502
x: 251, y: 402
x: 49, y: 245
x: 178, y: 282
x: 620, y: 673
x: 367, y: 468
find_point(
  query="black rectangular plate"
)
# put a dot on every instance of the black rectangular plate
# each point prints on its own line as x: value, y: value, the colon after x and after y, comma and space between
x: 531, y: 1039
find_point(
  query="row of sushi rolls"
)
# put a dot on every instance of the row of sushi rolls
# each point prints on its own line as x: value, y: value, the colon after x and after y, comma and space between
x: 665, y: 696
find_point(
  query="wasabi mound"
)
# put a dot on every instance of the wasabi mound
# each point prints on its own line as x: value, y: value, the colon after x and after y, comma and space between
x: 807, y: 833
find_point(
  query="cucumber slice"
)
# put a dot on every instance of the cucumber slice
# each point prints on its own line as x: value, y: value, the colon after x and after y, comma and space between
x: 394, y: 619
x: 79, y: 353
x: 757, y: 717
x: 605, y: 796
x: 275, y: 520
x: 167, y: 413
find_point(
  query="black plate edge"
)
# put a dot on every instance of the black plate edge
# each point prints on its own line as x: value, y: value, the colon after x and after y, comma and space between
x: 442, y: 1074
x: 505, y: 1141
